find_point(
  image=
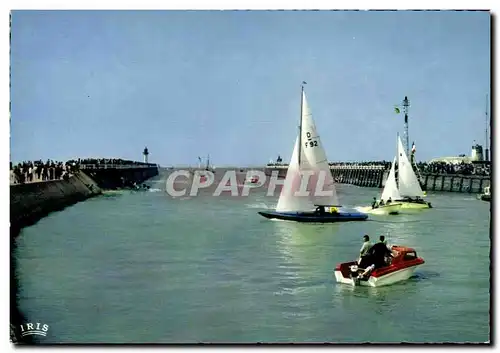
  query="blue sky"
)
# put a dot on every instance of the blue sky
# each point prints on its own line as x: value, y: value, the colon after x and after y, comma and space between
x: 227, y: 83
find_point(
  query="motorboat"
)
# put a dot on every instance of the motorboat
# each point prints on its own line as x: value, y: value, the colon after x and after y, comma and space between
x: 401, y: 267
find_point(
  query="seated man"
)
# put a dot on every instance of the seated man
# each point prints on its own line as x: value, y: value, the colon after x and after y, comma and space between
x: 374, y: 203
x: 387, y: 258
x: 379, y: 252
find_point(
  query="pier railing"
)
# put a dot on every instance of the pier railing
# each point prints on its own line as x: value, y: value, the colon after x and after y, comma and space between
x: 338, y: 166
x: 117, y: 166
x: 374, y: 175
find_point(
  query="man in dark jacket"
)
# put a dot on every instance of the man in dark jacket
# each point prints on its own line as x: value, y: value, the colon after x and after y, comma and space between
x: 378, y: 252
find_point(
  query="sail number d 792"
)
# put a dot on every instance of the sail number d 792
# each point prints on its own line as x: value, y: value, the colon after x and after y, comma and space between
x: 310, y: 142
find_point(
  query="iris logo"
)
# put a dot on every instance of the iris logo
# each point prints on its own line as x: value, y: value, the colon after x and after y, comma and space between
x: 34, y: 329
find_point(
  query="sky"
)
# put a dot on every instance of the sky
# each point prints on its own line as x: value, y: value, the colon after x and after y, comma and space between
x: 227, y: 83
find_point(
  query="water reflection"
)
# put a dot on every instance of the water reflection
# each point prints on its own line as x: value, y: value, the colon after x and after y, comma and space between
x: 298, y: 241
x: 305, y: 255
x: 376, y: 299
x: 405, y: 288
x: 404, y: 231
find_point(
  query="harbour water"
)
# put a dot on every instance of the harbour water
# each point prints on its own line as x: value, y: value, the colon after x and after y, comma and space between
x: 147, y: 268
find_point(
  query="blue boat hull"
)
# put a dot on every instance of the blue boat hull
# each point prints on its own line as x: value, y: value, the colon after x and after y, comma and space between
x: 313, y: 217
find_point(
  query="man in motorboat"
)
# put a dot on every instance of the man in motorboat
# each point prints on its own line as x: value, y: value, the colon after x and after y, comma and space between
x: 364, y: 257
x: 377, y: 256
x: 383, y: 241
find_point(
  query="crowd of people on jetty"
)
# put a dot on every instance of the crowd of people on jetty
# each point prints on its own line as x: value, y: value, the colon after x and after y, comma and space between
x: 108, y: 161
x: 36, y: 171
x: 440, y: 167
x: 448, y: 168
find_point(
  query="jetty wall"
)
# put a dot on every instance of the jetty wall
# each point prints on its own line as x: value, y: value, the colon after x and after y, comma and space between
x: 455, y: 182
x: 367, y: 176
x: 375, y: 176
x: 32, y: 201
x: 115, y: 177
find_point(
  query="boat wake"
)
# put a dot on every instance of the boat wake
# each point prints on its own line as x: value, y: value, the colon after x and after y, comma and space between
x: 155, y: 190
x: 362, y: 208
x: 259, y: 205
x: 406, y: 221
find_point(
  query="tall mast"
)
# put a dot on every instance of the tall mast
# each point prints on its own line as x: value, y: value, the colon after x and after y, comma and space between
x: 300, y: 121
x: 406, y: 105
x: 397, y: 160
x: 486, y: 152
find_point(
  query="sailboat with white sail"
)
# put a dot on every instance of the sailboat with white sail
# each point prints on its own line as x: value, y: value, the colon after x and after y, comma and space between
x: 387, y: 204
x: 409, y: 186
x: 317, y: 201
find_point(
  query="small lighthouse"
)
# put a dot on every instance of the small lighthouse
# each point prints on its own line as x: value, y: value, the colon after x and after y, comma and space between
x: 145, y: 154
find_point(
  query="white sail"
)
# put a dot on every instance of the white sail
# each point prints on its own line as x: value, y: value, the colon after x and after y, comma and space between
x: 408, y: 182
x: 321, y: 185
x: 313, y: 161
x: 288, y: 201
x: 391, y: 188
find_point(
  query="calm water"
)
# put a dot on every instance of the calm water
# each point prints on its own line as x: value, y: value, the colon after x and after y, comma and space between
x: 143, y: 267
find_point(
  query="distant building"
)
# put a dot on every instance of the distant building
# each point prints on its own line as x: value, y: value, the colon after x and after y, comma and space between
x: 477, y: 153
x: 476, y: 156
x: 451, y: 160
